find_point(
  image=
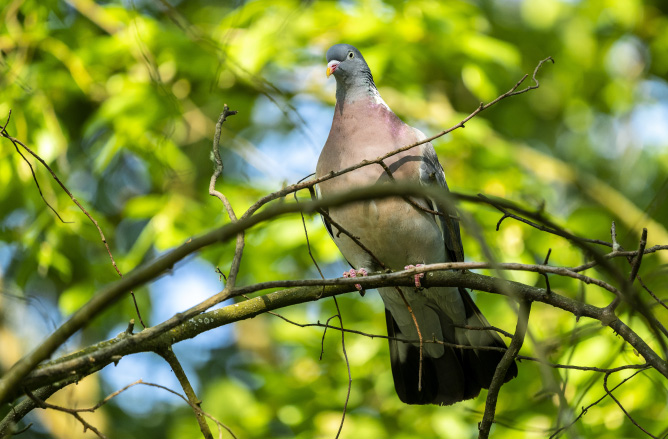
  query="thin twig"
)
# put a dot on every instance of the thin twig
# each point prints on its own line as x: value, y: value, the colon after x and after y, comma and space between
x: 219, y: 424
x: 631, y: 297
x: 618, y: 254
x: 9, y: 116
x: 635, y: 265
x: 547, y: 281
x: 659, y: 301
x: 350, y: 377
x: 322, y: 340
x: 118, y: 392
x: 458, y: 346
x: 23, y: 430
x: 502, y: 207
x: 354, y: 238
x: 16, y: 144
x: 586, y: 409
x: 231, y: 278
x: 409, y: 200
x: 34, y: 177
x: 485, y: 328
x: 338, y: 314
x: 419, y: 334
x: 502, y: 368
x: 74, y: 412
x: 608, y: 392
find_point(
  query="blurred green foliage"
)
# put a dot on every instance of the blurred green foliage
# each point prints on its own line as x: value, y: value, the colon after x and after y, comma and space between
x: 120, y: 98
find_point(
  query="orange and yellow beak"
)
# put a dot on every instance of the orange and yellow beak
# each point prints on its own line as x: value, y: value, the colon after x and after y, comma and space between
x: 332, y: 66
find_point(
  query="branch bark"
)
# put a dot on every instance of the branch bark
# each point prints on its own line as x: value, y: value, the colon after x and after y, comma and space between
x: 152, y: 339
x: 500, y: 373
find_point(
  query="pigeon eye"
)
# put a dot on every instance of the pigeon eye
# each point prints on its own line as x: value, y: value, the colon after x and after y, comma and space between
x: 351, y: 55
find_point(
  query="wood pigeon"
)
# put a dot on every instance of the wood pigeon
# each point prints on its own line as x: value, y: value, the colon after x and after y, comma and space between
x: 400, y: 234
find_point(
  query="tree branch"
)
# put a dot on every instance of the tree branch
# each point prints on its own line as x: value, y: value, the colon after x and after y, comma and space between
x: 169, y: 356
x: 18, y: 143
x: 501, y: 369
x: 152, y: 338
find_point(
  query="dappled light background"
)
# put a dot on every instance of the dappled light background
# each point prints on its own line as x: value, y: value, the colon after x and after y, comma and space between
x: 120, y: 98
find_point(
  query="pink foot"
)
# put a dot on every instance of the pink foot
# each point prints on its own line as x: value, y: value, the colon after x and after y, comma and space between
x: 352, y: 273
x: 417, y: 276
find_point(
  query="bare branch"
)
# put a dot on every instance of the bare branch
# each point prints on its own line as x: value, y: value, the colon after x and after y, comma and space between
x: 16, y: 143
x: 338, y: 314
x: 659, y: 301
x: 220, y: 425
x: 350, y: 376
x: 181, y: 328
x: 608, y: 392
x: 354, y: 238
x: 500, y: 373
x: 419, y: 333
x: 617, y: 254
x: 547, y: 281
x: 218, y: 171
x: 74, y: 412
x: 34, y: 177
x: 635, y: 265
x: 504, y: 207
x: 585, y: 409
x: 458, y: 346
x: 169, y: 356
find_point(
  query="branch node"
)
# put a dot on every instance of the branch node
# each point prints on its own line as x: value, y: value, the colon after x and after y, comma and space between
x: 131, y: 327
x: 221, y: 275
x: 613, y: 233
x: 608, y: 315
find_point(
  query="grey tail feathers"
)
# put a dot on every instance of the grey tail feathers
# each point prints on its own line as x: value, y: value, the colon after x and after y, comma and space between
x: 458, y: 374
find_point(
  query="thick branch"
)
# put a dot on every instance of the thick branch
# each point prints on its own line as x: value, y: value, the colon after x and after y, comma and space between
x: 150, y: 339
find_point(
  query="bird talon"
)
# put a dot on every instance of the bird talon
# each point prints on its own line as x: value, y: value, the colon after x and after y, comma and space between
x: 352, y: 273
x: 418, y: 276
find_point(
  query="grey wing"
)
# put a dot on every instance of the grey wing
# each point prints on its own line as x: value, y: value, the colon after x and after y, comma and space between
x: 431, y: 173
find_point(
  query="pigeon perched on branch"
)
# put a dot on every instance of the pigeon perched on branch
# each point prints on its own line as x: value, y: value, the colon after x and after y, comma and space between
x: 399, y: 233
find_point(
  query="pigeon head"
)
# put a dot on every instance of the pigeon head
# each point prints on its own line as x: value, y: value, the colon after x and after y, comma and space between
x: 349, y: 68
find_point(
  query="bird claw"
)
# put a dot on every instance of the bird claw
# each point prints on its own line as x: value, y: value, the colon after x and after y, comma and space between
x: 352, y: 273
x: 417, y: 276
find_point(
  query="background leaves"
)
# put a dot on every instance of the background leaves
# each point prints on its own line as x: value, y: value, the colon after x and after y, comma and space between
x: 121, y: 98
